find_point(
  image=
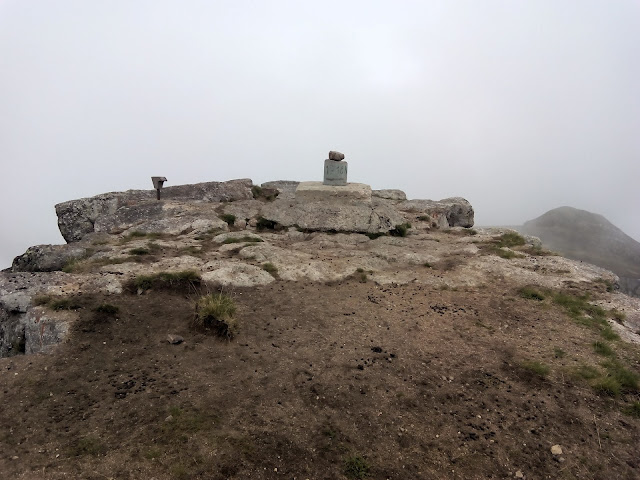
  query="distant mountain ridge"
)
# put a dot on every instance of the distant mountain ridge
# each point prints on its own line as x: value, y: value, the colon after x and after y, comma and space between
x: 582, y: 235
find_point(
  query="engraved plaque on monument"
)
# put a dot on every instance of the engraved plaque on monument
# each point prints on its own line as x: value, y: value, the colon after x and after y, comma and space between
x: 335, y: 170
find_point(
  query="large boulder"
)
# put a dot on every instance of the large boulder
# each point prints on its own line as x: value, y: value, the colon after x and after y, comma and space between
x: 77, y: 218
x: 47, y: 258
x: 161, y: 217
x: 449, y: 212
x: 336, y: 217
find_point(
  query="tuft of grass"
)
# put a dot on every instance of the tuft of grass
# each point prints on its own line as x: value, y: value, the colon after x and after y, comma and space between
x: 510, y: 239
x: 559, y: 353
x: 139, y: 251
x: 63, y: 304
x: 608, y: 333
x: 245, y: 239
x: 587, y: 372
x: 356, y: 467
x: 531, y: 293
x: 535, y: 367
x: 400, y: 230
x: 427, y: 265
x: 88, y: 446
x: 270, y: 268
x: 610, y: 287
x: 633, y: 410
x: 602, y: 348
x: 137, y: 235
x: 107, y: 309
x: 627, y: 379
x: 617, y: 315
x: 264, y: 224
x: 152, y: 454
x: 41, y: 300
x: 227, y: 217
x: 608, y: 386
x: 506, y: 254
x: 183, y: 280
x: 216, y: 312
x: 579, y: 308
x: 424, y: 218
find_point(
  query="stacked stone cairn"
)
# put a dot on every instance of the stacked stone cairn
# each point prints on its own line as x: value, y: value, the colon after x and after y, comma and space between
x: 335, y: 170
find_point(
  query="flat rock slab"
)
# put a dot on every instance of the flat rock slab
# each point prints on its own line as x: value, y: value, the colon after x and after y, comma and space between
x: 349, y: 194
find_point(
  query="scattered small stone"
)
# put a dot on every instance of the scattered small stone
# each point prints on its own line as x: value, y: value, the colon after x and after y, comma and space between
x: 336, y: 156
x: 174, y: 339
x: 169, y: 418
x: 519, y: 474
x: 556, y: 450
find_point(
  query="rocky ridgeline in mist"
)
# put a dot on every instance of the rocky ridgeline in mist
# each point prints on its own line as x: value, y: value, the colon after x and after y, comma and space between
x: 235, y: 234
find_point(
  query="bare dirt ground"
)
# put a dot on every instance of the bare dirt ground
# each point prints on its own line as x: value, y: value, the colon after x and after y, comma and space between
x: 323, y: 381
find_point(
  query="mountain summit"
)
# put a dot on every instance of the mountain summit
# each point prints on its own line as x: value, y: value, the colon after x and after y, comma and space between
x: 589, y: 237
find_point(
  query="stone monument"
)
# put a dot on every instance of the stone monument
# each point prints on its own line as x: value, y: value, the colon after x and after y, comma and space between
x: 335, y: 170
x: 334, y: 188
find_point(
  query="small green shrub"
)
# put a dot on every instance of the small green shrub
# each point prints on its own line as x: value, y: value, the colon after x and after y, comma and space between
x: 375, y: 235
x: 356, y: 467
x: 227, y: 217
x: 64, y: 304
x: 602, y: 348
x: 424, y: 218
x: 216, y: 312
x: 139, y: 251
x: 537, y: 368
x: 270, y: 268
x: 107, y: 309
x: 264, y: 224
x: 531, y: 293
x: 427, y: 265
x: 633, y: 410
x: 400, y: 230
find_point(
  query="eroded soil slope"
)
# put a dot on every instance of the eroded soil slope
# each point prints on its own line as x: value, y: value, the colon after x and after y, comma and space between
x: 323, y: 381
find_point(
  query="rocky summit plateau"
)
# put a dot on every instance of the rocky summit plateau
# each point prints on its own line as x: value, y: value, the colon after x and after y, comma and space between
x: 367, y: 335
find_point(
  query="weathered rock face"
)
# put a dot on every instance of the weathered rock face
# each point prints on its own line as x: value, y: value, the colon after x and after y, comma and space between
x: 25, y: 328
x: 326, y: 217
x: 47, y: 258
x: 450, y: 212
x: 77, y: 218
x: 390, y: 194
x: 161, y: 217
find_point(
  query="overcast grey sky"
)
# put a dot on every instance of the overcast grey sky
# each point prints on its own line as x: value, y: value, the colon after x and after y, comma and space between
x: 518, y: 106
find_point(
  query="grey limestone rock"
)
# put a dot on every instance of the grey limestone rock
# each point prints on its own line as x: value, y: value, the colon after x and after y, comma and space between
x: 322, y: 216
x: 44, y: 329
x: 47, y: 258
x: 77, y: 218
x: 161, y: 217
x: 449, y: 212
x: 389, y: 194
